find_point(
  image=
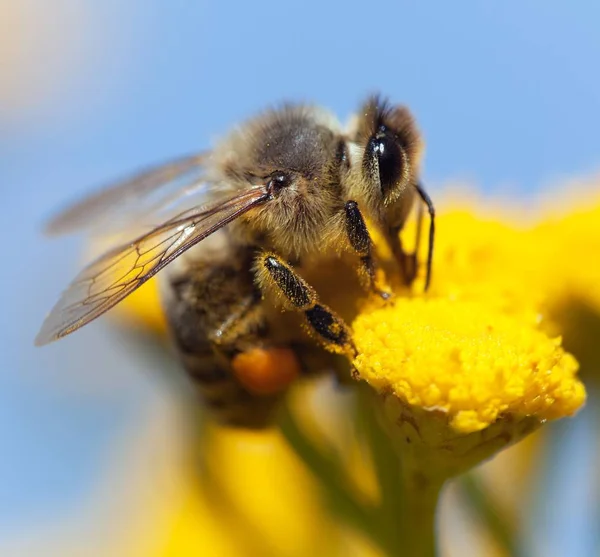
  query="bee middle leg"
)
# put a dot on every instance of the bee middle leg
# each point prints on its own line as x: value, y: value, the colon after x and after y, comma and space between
x: 361, y: 243
x: 298, y: 295
x: 408, y: 262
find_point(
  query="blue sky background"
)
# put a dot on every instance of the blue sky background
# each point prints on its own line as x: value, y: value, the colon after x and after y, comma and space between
x: 506, y: 93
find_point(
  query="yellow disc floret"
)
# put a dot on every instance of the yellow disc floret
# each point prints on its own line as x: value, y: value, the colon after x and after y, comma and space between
x: 467, y: 359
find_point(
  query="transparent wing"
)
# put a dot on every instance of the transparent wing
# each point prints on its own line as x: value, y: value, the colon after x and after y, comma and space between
x: 117, y: 273
x: 132, y: 198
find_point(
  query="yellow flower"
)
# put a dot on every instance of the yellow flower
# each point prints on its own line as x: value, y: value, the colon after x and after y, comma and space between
x: 573, y: 305
x: 252, y: 495
x: 470, y: 368
x: 458, y: 374
x: 143, y: 309
x: 472, y: 361
x: 467, y: 360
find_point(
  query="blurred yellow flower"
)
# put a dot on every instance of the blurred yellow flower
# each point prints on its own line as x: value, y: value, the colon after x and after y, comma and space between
x: 248, y: 495
x: 143, y: 309
x: 573, y: 300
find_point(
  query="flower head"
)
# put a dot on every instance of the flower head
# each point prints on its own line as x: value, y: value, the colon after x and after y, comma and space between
x: 466, y: 359
x: 469, y: 368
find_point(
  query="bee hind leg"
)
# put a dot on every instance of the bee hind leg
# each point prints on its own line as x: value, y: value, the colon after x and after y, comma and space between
x: 218, y: 326
x: 298, y: 295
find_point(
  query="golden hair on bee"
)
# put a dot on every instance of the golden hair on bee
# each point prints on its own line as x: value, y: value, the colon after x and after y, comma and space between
x: 295, y: 148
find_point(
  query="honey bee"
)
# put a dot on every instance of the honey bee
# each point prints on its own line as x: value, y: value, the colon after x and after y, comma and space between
x: 278, y: 206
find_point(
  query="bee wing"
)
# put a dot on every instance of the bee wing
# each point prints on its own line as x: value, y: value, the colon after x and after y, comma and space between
x: 120, y: 271
x: 133, y: 197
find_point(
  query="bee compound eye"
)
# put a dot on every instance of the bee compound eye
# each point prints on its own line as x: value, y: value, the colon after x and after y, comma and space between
x: 390, y: 160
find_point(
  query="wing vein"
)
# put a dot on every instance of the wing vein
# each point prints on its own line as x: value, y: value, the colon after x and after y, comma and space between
x: 116, y: 274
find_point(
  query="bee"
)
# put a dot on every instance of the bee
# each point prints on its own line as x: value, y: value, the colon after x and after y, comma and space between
x: 273, y: 217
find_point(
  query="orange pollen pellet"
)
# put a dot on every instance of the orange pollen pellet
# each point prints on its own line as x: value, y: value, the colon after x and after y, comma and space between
x: 266, y: 372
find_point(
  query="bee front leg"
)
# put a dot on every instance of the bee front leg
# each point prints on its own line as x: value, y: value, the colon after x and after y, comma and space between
x: 361, y: 243
x: 298, y: 295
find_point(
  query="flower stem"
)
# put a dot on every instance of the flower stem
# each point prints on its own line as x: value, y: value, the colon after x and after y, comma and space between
x: 330, y: 473
x: 483, y: 506
x: 416, y: 531
x: 409, y: 482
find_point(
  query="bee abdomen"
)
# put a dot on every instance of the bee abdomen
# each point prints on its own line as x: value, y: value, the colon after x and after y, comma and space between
x: 214, y: 313
x: 225, y: 398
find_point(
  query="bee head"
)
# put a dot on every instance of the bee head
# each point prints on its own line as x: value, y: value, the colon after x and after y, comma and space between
x: 386, y: 152
x: 295, y: 153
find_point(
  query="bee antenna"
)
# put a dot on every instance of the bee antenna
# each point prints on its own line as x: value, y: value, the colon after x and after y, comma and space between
x: 427, y: 200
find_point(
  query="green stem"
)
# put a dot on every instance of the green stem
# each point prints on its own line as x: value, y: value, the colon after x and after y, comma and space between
x: 417, y: 529
x: 409, y: 496
x: 404, y: 522
x: 489, y: 512
x: 329, y: 470
x: 385, y: 463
